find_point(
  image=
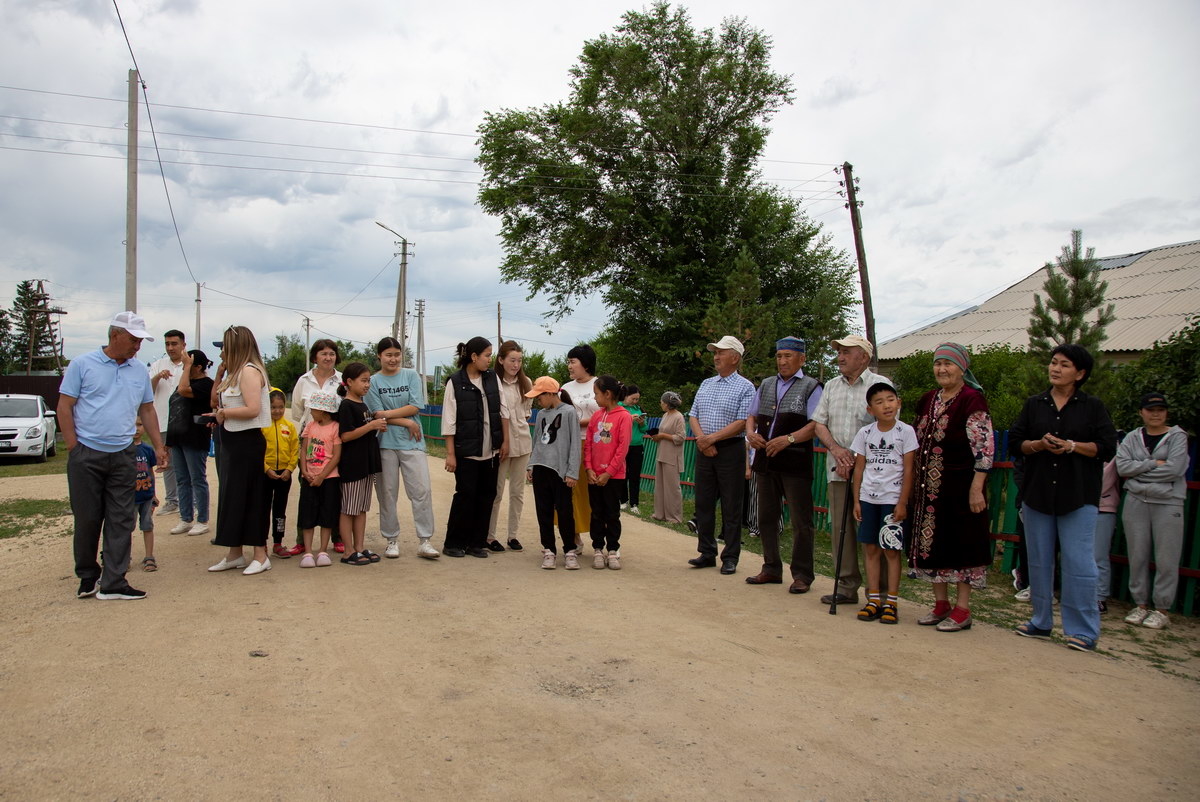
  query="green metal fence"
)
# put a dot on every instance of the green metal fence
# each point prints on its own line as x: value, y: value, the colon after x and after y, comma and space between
x: 1002, y: 494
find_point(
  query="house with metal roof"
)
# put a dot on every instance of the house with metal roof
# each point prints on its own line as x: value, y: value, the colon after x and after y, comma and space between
x: 1154, y: 292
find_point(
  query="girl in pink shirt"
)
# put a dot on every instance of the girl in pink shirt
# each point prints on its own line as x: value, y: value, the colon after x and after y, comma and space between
x: 604, y: 448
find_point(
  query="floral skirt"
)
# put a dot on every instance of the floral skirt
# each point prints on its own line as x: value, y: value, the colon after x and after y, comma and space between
x: 975, y: 577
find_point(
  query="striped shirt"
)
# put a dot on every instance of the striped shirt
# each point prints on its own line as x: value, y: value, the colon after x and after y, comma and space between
x: 843, y: 410
x: 721, y: 400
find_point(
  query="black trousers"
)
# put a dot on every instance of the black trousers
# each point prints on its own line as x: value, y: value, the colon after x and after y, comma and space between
x: 471, y: 508
x: 721, y: 477
x: 606, y: 515
x: 242, y: 511
x: 276, y: 495
x: 631, y: 485
x: 772, y: 488
x: 551, y: 495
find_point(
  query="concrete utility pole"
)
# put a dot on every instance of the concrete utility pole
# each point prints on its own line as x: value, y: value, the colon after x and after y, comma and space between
x: 398, y: 323
x: 131, y: 185
x: 197, y: 340
x: 499, y: 339
x: 856, y: 223
x: 419, y: 357
x: 307, y: 337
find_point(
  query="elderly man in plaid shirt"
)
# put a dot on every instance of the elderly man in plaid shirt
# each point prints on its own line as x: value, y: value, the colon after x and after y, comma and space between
x: 840, y: 414
x: 718, y: 420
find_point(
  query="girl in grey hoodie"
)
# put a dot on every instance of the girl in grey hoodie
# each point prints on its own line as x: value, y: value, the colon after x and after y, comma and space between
x: 1153, y: 459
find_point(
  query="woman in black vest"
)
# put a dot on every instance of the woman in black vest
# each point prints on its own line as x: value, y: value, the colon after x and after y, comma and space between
x: 473, y: 423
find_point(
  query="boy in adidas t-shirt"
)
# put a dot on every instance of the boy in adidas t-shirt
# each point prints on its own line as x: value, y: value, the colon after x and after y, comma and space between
x: 883, y: 477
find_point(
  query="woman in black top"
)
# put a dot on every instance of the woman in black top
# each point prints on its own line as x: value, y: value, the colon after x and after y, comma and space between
x: 188, y: 436
x: 1066, y: 437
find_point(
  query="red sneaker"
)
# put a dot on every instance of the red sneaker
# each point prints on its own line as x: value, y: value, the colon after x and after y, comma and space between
x: 282, y: 551
x: 294, y: 550
x: 340, y: 548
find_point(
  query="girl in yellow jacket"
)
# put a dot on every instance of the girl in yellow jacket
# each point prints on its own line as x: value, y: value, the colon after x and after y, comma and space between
x: 283, y: 446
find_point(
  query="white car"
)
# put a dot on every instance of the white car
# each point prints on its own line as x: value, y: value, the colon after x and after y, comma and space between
x: 27, y: 427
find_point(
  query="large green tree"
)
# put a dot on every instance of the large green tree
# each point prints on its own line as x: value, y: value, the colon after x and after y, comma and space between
x: 1073, y: 310
x: 1169, y: 367
x: 643, y: 188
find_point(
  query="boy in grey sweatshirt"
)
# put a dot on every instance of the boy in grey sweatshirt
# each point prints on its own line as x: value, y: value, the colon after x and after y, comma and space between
x: 554, y: 468
x: 1153, y: 459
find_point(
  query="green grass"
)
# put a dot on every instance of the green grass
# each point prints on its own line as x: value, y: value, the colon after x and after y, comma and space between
x: 28, y: 466
x: 18, y: 516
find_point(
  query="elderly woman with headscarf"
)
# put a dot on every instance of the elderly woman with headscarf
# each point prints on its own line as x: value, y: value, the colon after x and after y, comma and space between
x: 668, y: 462
x: 1066, y: 436
x: 950, y: 541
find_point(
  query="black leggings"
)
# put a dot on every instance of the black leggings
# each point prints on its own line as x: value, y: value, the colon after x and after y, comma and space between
x: 277, y: 491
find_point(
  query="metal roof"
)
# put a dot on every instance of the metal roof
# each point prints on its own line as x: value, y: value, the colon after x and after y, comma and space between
x: 1154, y: 292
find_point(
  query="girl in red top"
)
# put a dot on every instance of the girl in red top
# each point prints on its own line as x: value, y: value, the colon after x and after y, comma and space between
x: 604, y: 448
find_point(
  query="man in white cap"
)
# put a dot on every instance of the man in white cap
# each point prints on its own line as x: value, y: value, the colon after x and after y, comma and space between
x: 718, y: 420
x: 840, y: 414
x: 101, y: 396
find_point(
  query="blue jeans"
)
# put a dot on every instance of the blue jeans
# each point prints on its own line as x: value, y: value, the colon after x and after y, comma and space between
x: 191, y: 479
x: 1076, y: 536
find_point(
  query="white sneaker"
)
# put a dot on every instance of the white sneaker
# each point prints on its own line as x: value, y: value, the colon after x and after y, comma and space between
x: 598, y: 560
x: 226, y: 565
x: 257, y: 567
x: 1137, y: 615
x: 181, y: 527
x: 198, y: 529
x: 1022, y: 595
x: 393, y: 549
x: 168, y: 509
x: 614, y: 560
x: 624, y: 505
x: 571, y: 560
x: 1156, y: 620
x: 427, y: 551
x: 635, y: 511
x: 548, y: 559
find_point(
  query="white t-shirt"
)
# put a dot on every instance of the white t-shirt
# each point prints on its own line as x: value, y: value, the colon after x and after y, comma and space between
x: 883, y: 475
x: 162, y: 393
x: 583, y: 398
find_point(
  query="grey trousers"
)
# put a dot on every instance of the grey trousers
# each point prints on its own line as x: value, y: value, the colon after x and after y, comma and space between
x: 413, y: 466
x: 797, y: 489
x: 1162, y: 525
x: 101, y: 487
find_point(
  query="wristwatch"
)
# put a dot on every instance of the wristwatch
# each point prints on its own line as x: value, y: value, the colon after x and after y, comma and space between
x: 791, y: 439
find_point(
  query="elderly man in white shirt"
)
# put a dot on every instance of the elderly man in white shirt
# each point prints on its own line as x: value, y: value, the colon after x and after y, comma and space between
x: 840, y: 414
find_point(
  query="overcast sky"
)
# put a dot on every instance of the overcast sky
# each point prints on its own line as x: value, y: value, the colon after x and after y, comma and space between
x: 981, y: 134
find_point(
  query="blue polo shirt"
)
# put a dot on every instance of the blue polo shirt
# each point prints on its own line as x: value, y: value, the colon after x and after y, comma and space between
x: 107, y: 396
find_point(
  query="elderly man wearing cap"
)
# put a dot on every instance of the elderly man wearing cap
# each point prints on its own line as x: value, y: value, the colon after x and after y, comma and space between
x: 839, y: 416
x: 101, y: 396
x: 718, y: 419
x: 780, y: 431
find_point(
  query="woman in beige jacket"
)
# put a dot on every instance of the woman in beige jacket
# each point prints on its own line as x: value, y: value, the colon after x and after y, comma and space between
x: 668, y: 497
x: 513, y: 386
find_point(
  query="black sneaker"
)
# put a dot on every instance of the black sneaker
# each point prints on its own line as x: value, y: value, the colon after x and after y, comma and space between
x: 126, y: 592
x: 87, y: 588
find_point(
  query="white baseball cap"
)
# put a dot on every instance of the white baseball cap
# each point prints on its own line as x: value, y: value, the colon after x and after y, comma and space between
x: 133, y: 323
x: 728, y: 343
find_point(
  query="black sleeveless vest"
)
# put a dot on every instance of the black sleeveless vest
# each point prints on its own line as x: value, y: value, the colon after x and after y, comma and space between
x: 791, y: 416
x: 468, y: 439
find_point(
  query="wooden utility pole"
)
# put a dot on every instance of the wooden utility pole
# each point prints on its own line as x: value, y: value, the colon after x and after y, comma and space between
x: 37, y: 321
x: 131, y: 183
x: 856, y: 223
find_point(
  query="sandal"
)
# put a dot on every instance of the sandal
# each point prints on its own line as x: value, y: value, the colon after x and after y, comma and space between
x: 148, y: 564
x: 370, y: 555
x: 354, y: 558
x: 1028, y: 630
x: 869, y: 612
x: 888, y: 614
x: 515, y: 544
x: 1081, y: 644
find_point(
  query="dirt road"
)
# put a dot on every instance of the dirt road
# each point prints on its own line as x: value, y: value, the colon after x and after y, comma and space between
x: 492, y: 678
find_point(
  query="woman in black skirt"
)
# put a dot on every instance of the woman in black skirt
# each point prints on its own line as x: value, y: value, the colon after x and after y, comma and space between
x: 244, y: 410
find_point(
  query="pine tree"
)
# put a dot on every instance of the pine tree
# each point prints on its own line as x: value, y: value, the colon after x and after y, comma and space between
x: 744, y: 314
x: 1074, y: 291
x: 32, y: 322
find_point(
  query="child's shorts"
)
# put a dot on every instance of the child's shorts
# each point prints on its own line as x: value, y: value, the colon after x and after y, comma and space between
x: 321, y: 505
x: 872, y: 523
x: 356, y: 495
x: 145, y: 514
